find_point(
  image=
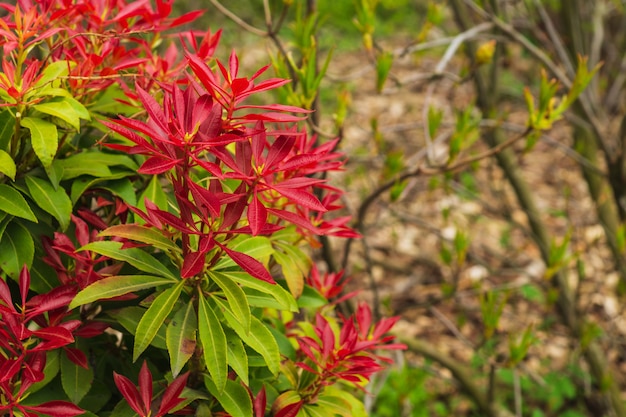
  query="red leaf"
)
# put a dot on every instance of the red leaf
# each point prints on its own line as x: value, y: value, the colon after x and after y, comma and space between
x: 77, y: 356
x: 272, y: 117
x: 193, y: 264
x: 55, y: 333
x: 279, y: 150
x: 249, y: 264
x: 186, y: 18
x: 92, y: 329
x: 5, y: 295
x: 171, y: 395
x: 300, y: 197
x: 295, y: 219
x: 58, y: 297
x: 145, y: 386
x: 157, y: 165
x: 257, y: 215
x: 233, y: 63
x: 56, y: 409
x: 260, y: 402
x: 290, y: 410
x: 130, y: 393
x: 24, y: 283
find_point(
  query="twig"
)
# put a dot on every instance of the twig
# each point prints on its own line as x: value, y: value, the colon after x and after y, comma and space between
x: 458, y: 41
x: 556, y: 39
x: 446, y: 322
x: 463, y: 375
x: 232, y: 16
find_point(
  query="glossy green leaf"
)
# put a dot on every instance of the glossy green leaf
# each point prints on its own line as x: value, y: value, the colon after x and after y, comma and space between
x: 213, y: 341
x: 123, y: 188
x: 285, y: 300
x: 12, y: 202
x: 258, y: 338
x: 235, y: 296
x: 61, y: 109
x: 301, y: 259
x: 311, y: 298
x: 258, y: 247
x: 80, y: 110
x: 75, y: 379
x: 16, y: 249
x: 44, y: 138
x: 134, y: 256
x: 293, y: 275
x: 43, y: 277
x: 71, y: 170
x: 180, y: 337
x: 7, y: 128
x: 96, y: 164
x: 115, y: 286
x: 129, y: 318
x: 234, y: 397
x: 52, y: 72
x: 143, y: 234
x: 154, y: 318
x: 7, y: 165
x: 84, y: 183
x: 237, y: 356
x: 55, y: 202
x: 153, y: 192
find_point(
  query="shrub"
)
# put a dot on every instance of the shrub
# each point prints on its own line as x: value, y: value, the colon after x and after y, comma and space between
x: 155, y: 228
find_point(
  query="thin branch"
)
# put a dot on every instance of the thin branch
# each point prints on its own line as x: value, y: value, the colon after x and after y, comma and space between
x: 232, y: 16
x: 556, y: 39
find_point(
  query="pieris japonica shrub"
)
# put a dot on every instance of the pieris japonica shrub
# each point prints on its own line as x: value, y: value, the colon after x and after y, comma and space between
x: 156, y: 227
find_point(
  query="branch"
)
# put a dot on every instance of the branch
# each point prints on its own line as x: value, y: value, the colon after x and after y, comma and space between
x: 232, y: 16
x: 464, y: 375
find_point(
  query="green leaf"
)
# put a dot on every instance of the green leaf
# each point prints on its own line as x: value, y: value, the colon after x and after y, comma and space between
x: 115, y: 286
x: 134, y: 256
x: 61, y: 109
x: 235, y: 296
x: 55, y: 202
x: 75, y: 379
x: 43, y: 277
x: 7, y: 129
x: 16, y: 249
x: 153, y: 192
x: 82, y: 184
x: 7, y: 165
x: 96, y: 164
x: 80, y: 110
x: 234, y: 398
x: 293, y: 275
x: 180, y: 337
x: 129, y: 318
x: 12, y: 202
x: 383, y: 66
x: 285, y: 300
x: 123, y: 188
x: 213, y: 341
x: 311, y: 298
x: 258, y: 338
x: 142, y: 234
x: 44, y: 138
x: 259, y: 247
x: 52, y: 72
x: 154, y: 318
x: 237, y: 356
